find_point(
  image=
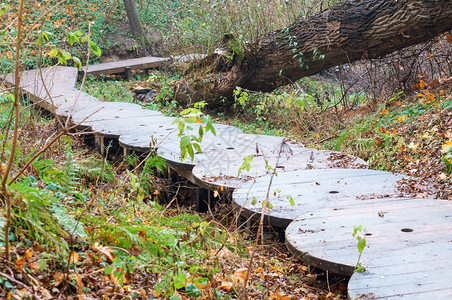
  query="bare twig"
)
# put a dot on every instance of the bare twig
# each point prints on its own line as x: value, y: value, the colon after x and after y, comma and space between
x: 21, y: 284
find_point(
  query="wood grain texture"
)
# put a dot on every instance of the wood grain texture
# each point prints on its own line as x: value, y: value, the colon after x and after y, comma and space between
x: 409, y: 245
x: 311, y: 190
x: 118, y: 67
x: 214, y: 174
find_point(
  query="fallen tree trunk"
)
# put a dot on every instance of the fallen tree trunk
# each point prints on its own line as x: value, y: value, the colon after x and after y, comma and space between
x: 345, y: 33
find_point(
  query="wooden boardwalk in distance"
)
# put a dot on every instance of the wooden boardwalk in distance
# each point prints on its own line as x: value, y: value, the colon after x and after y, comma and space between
x: 409, y: 249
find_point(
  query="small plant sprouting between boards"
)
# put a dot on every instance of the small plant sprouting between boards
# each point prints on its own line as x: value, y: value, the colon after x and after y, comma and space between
x: 190, y: 142
x: 361, y: 245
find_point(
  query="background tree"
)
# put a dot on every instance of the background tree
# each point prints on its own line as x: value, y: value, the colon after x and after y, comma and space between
x: 135, y: 24
x: 342, y: 34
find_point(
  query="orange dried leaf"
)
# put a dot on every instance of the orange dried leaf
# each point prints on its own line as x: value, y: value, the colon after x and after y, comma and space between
x: 239, y: 276
x: 74, y: 257
x: 226, y: 286
x: 58, y: 278
x: 142, y: 234
x: 447, y: 146
x: 105, y: 251
x: 28, y: 254
x: 80, y: 285
x: 384, y: 111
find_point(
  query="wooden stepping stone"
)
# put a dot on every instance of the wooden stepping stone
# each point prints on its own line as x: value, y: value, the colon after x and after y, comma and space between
x: 118, y: 67
x: 140, y: 139
x: 145, y: 119
x: 408, y: 251
x: 213, y: 147
x: 310, y: 191
x: 56, y: 79
x: 229, y: 145
x: 214, y: 174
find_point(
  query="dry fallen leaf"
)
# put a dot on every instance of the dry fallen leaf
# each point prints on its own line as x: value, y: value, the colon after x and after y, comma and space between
x: 311, y: 278
x: 74, y: 257
x: 442, y: 176
x: 58, y: 278
x: 134, y: 250
x: 106, y: 251
x: 239, y: 276
x: 226, y: 286
x: 281, y: 295
x: 142, y: 234
x: 80, y: 285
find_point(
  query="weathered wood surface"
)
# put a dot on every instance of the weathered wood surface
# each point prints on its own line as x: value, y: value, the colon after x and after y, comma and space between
x: 311, y: 190
x: 141, y: 138
x: 118, y: 67
x: 408, y: 251
x: 45, y: 87
x: 214, y: 174
x: 225, y: 144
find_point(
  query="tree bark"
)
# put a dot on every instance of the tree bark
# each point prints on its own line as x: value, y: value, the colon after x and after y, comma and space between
x: 135, y: 24
x: 134, y: 21
x: 347, y: 32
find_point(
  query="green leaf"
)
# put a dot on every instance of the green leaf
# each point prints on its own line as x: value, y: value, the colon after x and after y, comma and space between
x: 77, y: 62
x: 197, y: 147
x: 190, y: 151
x: 78, y: 33
x: 53, y: 53
x: 65, y: 54
x: 184, y: 141
x: 117, y: 262
x: 45, y: 36
x: 361, y: 245
x: 185, y: 111
x: 179, y: 280
x: 71, y: 38
x: 291, y: 201
x: 254, y: 201
x: 96, y: 50
x: 209, y: 127
x: 201, y: 131
x: 359, y: 268
x: 42, y: 263
x: 108, y: 270
x: 181, y: 126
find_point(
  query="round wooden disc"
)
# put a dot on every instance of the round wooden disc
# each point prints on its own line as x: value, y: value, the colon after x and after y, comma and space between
x: 310, y: 191
x: 407, y: 253
x: 142, y: 120
x: 214, y: 174
x: 142, y: 137
x: 221, y: 146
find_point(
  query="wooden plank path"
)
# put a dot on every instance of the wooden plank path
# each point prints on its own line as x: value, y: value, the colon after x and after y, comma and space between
x: 409, y: 240
x: 119, y: 67
x: 310, y: 191
x: 408, y: 252
x: 214, y: 174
